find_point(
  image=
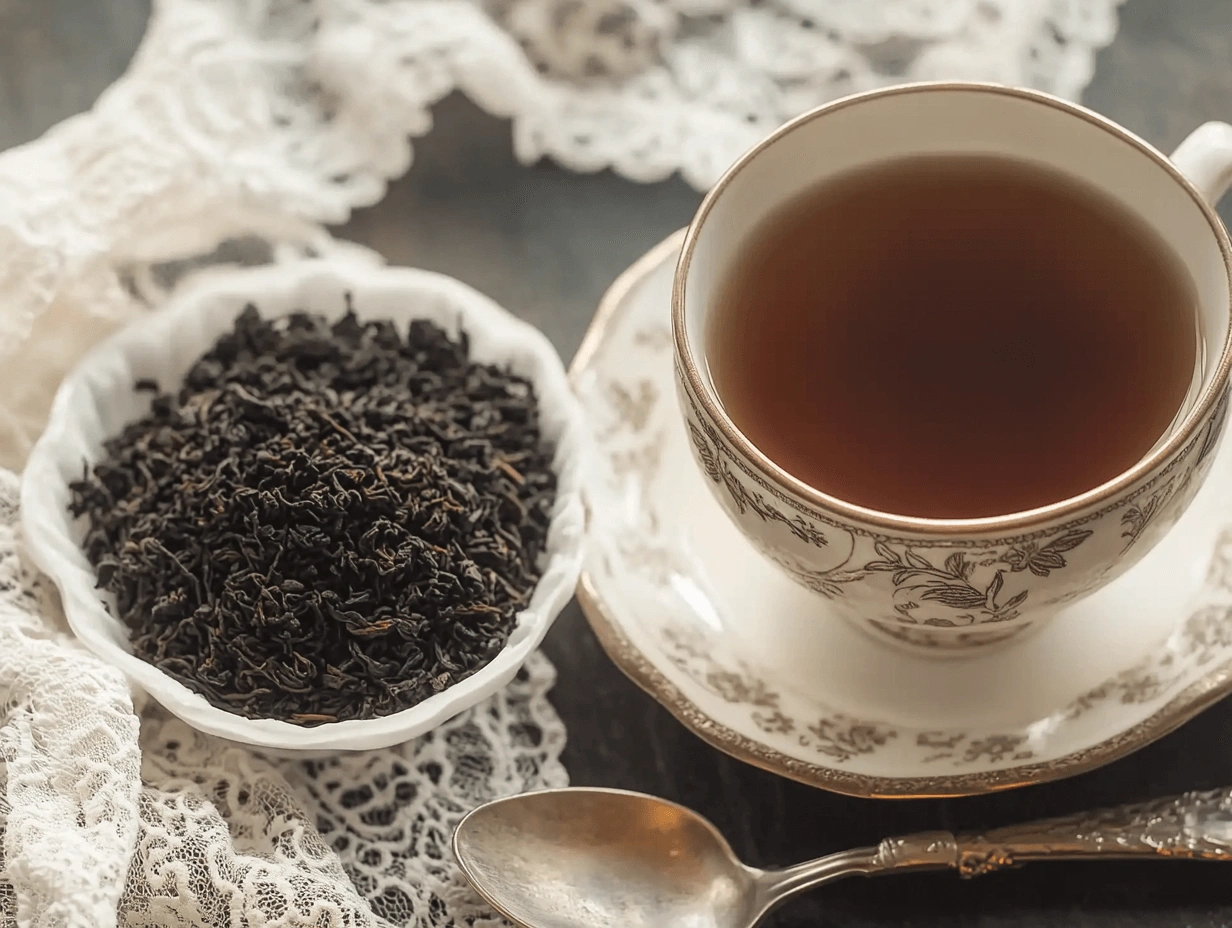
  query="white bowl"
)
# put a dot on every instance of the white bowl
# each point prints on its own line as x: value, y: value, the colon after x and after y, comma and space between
x: 97, y: 399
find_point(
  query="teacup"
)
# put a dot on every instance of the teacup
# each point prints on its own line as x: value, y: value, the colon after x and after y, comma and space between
x: 952, y: 585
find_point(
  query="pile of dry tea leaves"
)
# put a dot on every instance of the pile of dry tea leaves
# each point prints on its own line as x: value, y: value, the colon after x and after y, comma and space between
x: 327, y: 522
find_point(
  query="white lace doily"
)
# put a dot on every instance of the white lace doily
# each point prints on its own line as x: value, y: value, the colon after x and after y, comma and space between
x: 269, y: 117
x: 266, y: 119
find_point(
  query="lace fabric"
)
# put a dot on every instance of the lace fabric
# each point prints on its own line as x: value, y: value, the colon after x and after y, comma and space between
x: 270, y: 117
x: 267, y: 119
x: 228, y: 837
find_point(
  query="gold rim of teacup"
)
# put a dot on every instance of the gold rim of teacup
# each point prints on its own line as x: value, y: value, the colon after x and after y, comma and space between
x: 912, y: 524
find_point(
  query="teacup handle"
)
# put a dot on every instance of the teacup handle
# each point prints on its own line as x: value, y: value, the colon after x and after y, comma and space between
x: 1205, y: 157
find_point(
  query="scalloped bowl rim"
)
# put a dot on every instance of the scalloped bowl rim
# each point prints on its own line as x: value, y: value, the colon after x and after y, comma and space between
x: 52, y: 539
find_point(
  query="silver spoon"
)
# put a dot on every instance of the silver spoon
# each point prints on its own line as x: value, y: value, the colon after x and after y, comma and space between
x: 602, y: 858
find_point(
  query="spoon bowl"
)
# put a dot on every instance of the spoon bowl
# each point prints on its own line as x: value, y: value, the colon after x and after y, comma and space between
x: 576, y: 858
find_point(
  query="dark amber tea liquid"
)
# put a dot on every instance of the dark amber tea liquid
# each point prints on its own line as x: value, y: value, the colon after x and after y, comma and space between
x: 954, y: 337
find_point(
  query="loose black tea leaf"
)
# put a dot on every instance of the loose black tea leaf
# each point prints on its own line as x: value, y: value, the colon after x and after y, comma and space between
x: 328, y: 521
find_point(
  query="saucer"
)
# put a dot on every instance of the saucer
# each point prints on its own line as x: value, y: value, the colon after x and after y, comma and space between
x: 760, y: 668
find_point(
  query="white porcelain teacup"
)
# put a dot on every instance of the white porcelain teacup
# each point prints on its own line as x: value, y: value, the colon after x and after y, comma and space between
x: 949, y: 585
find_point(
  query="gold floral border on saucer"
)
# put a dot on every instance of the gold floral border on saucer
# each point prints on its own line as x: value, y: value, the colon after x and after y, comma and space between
x: 1134, y: 686
x: 1180, y: 709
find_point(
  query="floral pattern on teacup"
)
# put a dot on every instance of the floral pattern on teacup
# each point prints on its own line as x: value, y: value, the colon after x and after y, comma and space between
x: 930, y: 591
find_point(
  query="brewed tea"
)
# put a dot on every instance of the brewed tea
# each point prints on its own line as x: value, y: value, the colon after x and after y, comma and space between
x: 954, y: 337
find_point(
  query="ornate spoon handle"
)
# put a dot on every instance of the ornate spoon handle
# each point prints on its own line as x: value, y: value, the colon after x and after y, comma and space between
x: 1194, y: 826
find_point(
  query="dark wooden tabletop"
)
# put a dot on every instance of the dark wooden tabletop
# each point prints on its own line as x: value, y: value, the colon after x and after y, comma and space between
x: 546, y: 243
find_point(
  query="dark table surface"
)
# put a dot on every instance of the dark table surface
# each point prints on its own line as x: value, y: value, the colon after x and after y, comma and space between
x: 546, y: 243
